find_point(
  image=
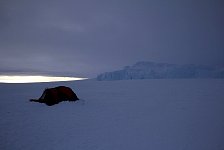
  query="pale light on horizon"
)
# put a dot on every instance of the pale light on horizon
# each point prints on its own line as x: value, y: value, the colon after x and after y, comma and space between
x: 34, y: 79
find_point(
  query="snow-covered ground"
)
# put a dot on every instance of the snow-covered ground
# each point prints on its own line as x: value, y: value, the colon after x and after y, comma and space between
x: 116, y: 115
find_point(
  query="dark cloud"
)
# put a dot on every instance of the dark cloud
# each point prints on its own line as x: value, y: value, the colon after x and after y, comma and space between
x: 87, y: 37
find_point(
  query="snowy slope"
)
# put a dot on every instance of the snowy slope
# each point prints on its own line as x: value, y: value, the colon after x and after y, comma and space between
x: 151, y: 70
x: 118, y: 115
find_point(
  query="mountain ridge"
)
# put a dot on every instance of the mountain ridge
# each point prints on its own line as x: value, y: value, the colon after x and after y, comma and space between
x: 153, y: 70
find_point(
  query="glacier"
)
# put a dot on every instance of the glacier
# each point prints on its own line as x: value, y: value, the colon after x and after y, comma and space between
x: 152, y: 70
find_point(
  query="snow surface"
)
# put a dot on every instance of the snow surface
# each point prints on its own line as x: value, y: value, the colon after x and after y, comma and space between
x: 116, y: 115
x: 152, y: 70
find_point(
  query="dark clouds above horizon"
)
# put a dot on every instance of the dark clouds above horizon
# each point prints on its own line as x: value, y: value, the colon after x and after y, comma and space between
x: 87, y: 37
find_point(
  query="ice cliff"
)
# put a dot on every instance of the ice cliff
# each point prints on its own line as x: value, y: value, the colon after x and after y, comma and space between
x: 152, y: 70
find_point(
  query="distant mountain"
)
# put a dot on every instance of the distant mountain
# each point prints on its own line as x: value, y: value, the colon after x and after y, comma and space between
x: 152, y: 70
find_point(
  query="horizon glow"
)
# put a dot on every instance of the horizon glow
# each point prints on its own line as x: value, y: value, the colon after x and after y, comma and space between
x: 34, y: 79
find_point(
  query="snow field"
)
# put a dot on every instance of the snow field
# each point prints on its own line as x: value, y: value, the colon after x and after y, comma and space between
x: 115, y: 115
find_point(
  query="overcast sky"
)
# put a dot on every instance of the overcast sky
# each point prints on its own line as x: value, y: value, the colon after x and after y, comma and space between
x: 88, y: 37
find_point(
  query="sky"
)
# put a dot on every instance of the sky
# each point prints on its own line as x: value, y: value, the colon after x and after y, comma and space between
x: 84, y: 38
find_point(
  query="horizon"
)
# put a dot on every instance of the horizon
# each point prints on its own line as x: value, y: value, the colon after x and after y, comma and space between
x: 35, y: 79
x: 69, y: 74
